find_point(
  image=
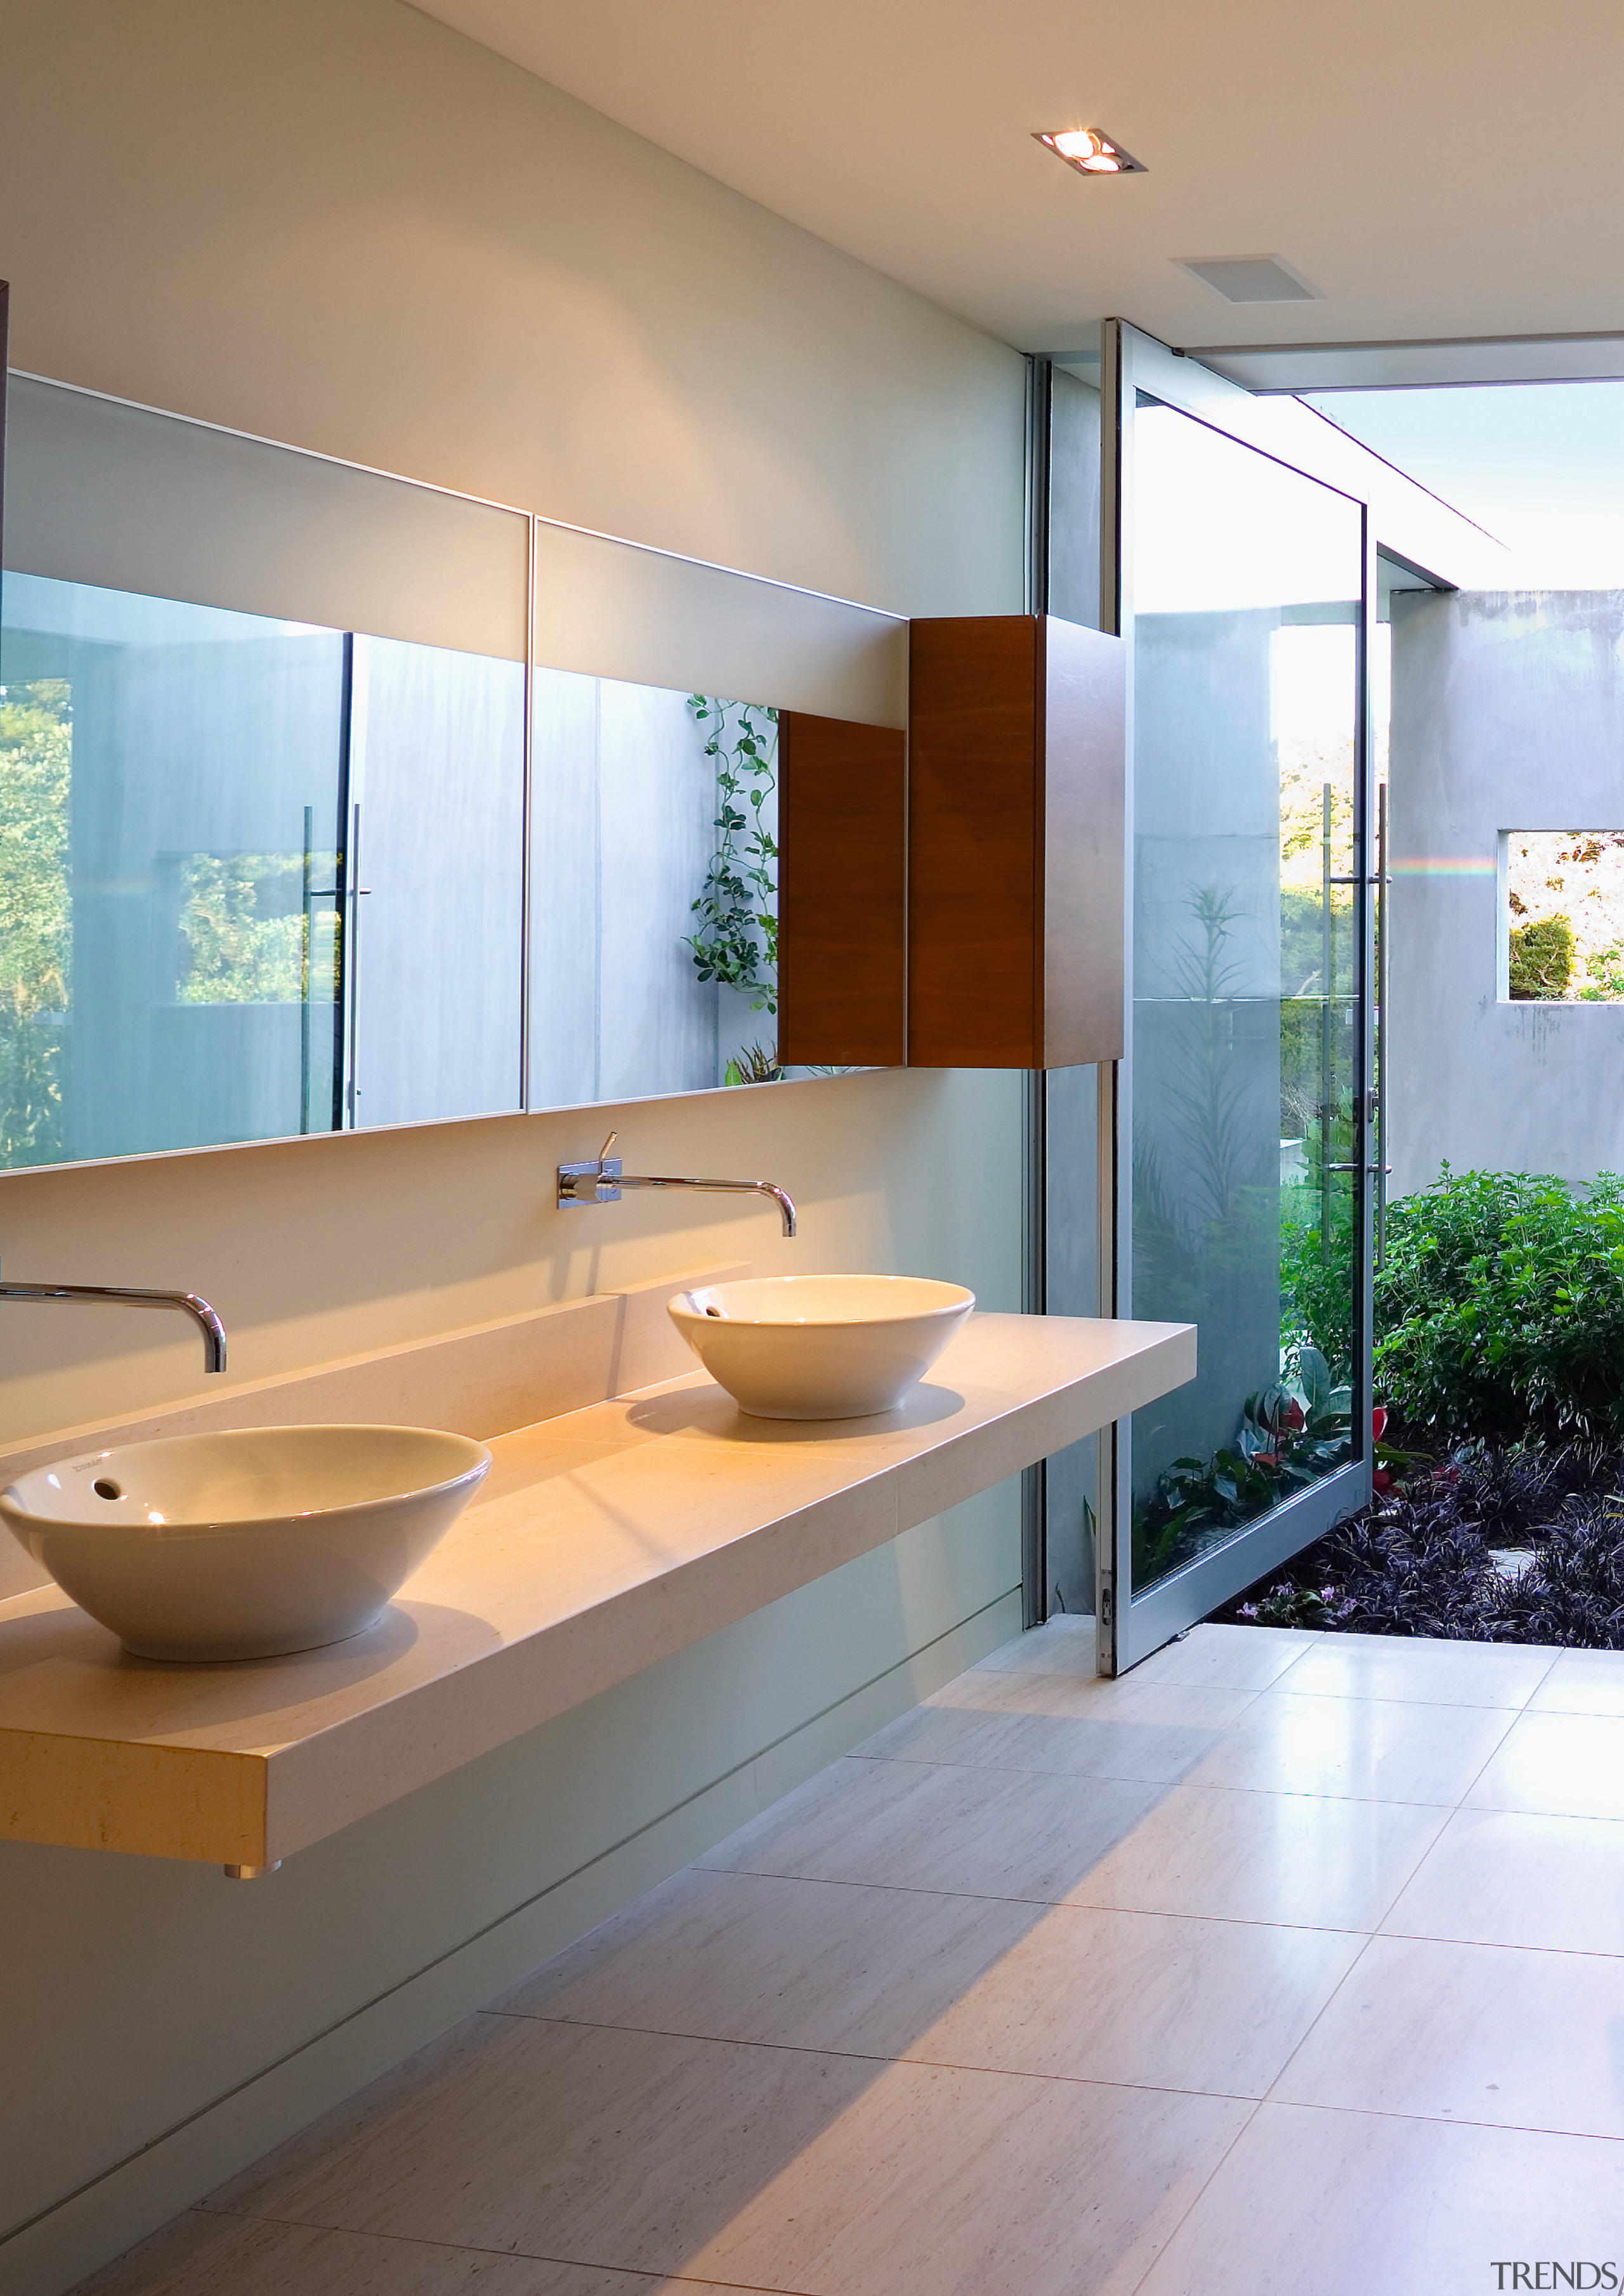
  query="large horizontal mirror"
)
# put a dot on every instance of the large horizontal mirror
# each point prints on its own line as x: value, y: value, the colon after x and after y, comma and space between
x: 293, y: 839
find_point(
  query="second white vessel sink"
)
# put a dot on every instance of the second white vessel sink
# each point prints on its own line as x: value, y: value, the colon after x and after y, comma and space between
x: 820, y: 1347
x: 246, y: 1544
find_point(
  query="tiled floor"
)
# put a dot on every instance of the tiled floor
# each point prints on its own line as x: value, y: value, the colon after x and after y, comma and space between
x: 1289, y: 1965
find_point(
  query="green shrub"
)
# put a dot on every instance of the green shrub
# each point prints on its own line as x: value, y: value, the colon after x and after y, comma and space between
x: 1500, y: 1308
x: 1541, y: 958
x: 1316, y: 1284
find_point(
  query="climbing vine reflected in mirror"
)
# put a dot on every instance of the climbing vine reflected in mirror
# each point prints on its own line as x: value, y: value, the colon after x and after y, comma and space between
x: 654, y: 891
x: 736, y: 942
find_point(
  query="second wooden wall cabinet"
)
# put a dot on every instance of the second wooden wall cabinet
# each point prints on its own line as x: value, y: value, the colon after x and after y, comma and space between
x: 1017, y: 784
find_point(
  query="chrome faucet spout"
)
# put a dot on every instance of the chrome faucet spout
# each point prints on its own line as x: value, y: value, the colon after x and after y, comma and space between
x: 786, y: 1209
x: 185, y: 1303
x: 600, y: 1180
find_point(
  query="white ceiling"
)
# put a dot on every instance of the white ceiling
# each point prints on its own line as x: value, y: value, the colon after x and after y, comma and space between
x: 1452, y: 169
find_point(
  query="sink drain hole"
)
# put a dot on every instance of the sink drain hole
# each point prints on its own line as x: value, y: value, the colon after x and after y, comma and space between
x: 105, y: 1488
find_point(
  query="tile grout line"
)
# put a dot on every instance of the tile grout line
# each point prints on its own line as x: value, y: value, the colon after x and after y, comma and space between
x: 1197, y: 2197
x: 979, y: 1896
x: 1520, y: 1715
x: 1060, y: 1905
x: 1376, y: 1929
x: 867, y: 2057
x: 1182, y: 1778
x: 1350, y: 2111
x: 1354, y: 2113
x: 497, y: 1922
x: 1257, y: 2104
x: 656, y: 2279
x: 1443, y: 2121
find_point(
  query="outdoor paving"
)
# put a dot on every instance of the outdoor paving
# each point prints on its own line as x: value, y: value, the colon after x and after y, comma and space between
x: 1290, y: 1965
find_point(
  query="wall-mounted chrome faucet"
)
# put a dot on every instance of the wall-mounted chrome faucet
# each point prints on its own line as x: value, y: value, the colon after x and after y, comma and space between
x: 185, y: 1303
x: 600, y: 1181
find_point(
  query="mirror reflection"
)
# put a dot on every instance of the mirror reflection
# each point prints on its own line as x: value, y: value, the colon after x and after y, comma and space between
x: 654, y: 906
x: 189, y: 951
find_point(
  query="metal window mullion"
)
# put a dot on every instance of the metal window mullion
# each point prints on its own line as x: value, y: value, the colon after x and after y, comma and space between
x: 1369, y: 1131
x: 1035, y: 1172
x: 1114, y: 1511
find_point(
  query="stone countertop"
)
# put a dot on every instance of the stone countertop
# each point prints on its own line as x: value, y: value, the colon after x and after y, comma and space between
x: 604, y: 1539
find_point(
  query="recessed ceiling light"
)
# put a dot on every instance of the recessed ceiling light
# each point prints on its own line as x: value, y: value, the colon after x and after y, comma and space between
x: 1089, y: 153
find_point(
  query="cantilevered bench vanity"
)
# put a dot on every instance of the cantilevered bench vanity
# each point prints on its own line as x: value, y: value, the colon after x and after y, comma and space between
x: 629, y: 1514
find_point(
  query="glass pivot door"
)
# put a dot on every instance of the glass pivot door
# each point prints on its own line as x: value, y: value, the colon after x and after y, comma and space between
x: 1240, y: 1141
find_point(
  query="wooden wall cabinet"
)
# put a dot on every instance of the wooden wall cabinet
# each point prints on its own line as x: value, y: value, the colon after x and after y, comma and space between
x: 842, y: 935
x: 1017, y: 784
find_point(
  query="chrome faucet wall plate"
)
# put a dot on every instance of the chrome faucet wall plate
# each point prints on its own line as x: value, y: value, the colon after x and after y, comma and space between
x: 599, y: 1181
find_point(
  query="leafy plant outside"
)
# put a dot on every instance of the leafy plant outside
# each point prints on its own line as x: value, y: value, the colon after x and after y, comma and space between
x: 1500, y: 1308
x: 1541, y: 961
x: 1522, y: 1543
x: 1290, y: 1436
x: 1603, y: 976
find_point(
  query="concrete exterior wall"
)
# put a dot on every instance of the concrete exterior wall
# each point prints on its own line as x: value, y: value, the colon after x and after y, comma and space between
x: 336, y: 223
x: 1508, y: 713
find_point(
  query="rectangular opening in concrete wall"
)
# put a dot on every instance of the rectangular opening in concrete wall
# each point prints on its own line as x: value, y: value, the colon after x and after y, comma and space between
x: 1561, y: 916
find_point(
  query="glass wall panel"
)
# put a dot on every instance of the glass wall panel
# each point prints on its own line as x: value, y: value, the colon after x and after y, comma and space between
x: 1070, y: 1097
x: 1246, y: 583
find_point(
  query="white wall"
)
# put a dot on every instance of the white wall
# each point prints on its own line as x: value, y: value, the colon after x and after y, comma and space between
x: 335, y: 222
x: 1508, y: 713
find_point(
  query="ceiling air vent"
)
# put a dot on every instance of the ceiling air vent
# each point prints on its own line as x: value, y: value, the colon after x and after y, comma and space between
x: 1250, y: 278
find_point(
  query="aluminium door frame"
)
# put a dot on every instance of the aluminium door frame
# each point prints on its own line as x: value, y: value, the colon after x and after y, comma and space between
x: 1127, y: 1630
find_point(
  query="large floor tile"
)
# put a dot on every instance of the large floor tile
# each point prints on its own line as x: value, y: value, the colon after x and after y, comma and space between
x: 1314, y: 2203
x: 1306, y: 1860
x: 1078, y: 1745
x: 774, y: 2168
x: 1372, y: 1748
x: 1470, y: 2032
x: 1063, y: 1646
x: 1130, y: 1698
x: 205, y: 2255
x: 1146, y: 1998
x: 1582, y: 1682
x: 1228, y: 1658
x: 754, y: 1958
x: 1413, y: 1668
x: 915, y: 1825
x: 1508, y: 1877
x: 1567, y: 1764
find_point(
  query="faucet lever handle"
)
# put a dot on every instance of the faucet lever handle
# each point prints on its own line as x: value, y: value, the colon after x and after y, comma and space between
x: 597, y: 1181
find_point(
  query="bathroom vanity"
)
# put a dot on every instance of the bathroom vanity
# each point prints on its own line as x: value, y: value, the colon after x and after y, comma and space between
x: 641, y: 1513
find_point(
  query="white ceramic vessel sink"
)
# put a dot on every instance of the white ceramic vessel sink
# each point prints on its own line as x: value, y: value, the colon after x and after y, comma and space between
x: 820, y: 1347
x: 248, y: 1543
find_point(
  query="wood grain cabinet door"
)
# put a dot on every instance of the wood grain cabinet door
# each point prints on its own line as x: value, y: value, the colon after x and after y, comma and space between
x: 1017, y: 785
x: 843, y: 812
